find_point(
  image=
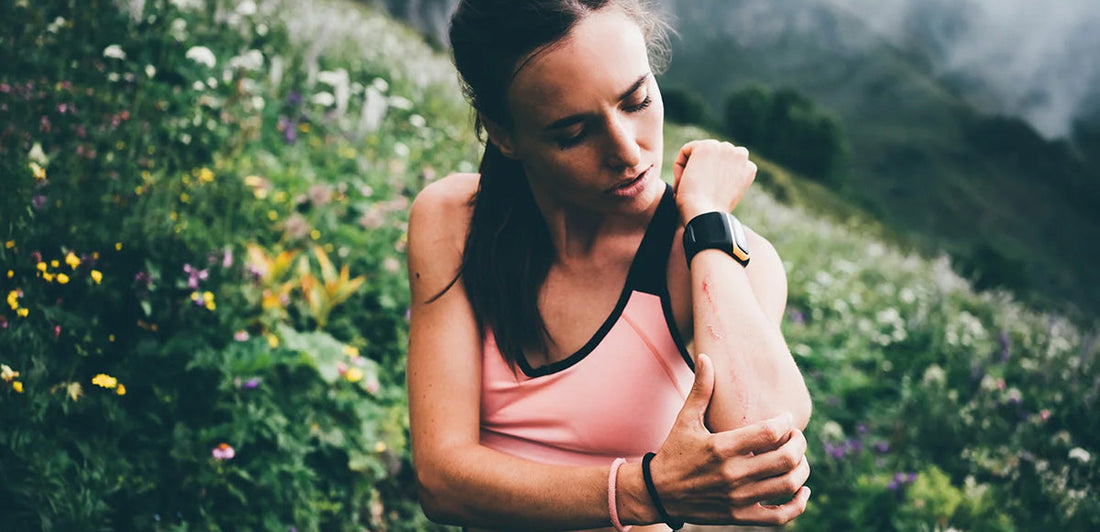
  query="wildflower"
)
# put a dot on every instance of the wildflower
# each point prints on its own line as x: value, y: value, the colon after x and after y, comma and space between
x: 62, y: 278
x: 54, y: 263
x: 1044, y: 414
x: 194, y: 275
x: 37, y: 170
x: 17, y: 386
x: 118, y: 246
x: 202, y: 55
x: 353, y: 374
x: 74, y: 390
x: 38, y: 201
x: 351, y: 351
x: 241, y: 336
x: 48, y: 277
x: 223, y: 452
x: 380, y: 447
x: 7, y: 374
x: 323, y: 98
x: 252, y: 383
x: 9, y: 244
x: 205, y: 175
x: 372, y: 384
x: 11, y: 274
x: 114, y: 51
x: 72, y: 260
x: 105, y: 381
x: 272, y: 340
x: 22, y: 312
x: 97, y: 276
x: 121, y: 390
x: 13, y: 299
x: 1080, y: 455
x: 209, y: 299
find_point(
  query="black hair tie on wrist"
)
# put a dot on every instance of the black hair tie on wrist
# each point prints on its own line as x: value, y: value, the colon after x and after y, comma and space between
x: 652, y: 489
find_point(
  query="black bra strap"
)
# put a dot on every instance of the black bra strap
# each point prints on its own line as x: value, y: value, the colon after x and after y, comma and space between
x: 649, y: 272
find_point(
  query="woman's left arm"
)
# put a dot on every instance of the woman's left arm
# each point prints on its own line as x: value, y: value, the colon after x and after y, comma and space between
x: 737, y: 310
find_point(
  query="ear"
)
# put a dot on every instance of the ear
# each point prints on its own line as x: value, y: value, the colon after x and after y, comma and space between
x: 499, y: 135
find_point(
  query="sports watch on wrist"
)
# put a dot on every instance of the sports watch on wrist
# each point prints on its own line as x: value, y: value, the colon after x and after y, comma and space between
x: 716, y: 230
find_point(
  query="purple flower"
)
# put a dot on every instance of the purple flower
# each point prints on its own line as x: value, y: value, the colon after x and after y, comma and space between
x: 223, y: 452
x: 252, y: 383
x: 797, y: 317
x: 294, y: 98
x: 882, y: 447
x: 38, y: 201
x: 194, y: 276
x: 143, y: 277
x: 862, y: 428
x: 835, y: 451
x: 227, y: 257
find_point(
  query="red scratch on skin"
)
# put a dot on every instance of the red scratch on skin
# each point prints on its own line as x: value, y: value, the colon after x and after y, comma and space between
x: 715, y: 333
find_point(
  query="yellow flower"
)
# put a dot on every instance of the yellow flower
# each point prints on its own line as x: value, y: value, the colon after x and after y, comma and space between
x: 272, y: 215
x: 13, y: 299
x: 111, y: 338
x: 11, y: 274
x: 97, y: 276
x: 118, y: 246
x: 41, y: 266
x: 185, y: 198
x: 7, y: 374
x: 379, y: 447
x: 9, y: 244
x: 105, y: 381
x: 354, y: 374
x: 272, y: 340
x: 62, y: 278
x: 17, y: 386
x: 38, y: 171
x: 315, y: 234
x: 351, y: 351
x: 205, y: 175
x: 48, y: 277
x: 54, y: 263
x: 121, y: 390
x: 72, y: 260
x: 22, y: 312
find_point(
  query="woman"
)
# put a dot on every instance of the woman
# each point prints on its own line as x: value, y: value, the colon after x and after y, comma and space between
x: 554, y: 309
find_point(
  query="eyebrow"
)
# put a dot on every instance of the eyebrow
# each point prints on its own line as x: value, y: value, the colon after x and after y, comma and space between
x: 573, y: 119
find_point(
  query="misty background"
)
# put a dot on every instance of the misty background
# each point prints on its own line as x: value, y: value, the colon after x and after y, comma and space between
x: 970, y: 127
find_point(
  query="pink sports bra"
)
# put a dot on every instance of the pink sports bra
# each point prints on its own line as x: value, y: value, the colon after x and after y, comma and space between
x: 618, y: 395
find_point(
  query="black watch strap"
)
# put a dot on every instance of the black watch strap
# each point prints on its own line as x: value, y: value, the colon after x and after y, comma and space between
x: 716, y: 230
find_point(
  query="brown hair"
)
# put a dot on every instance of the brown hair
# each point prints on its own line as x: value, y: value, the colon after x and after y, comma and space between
x: 508, y: 250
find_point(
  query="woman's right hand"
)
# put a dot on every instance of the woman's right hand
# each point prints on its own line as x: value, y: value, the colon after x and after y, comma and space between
x: 728, y: 477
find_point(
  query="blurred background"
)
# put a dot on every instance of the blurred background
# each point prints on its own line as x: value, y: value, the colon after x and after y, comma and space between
x: 203, y: 207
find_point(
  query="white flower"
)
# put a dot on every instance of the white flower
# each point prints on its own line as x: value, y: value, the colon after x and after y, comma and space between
x: 198, y: 85
x: 56, y: 25
x: 184, y: 5
x: 401, y: 149
x: 380, y: 84
x: 202, y: 55
x: 323, y: 99
x: 37, y: 155
x: 150, y: 70
x: 400, y: 102
x: 250, y: 60
x: 333, y: 77
x: 1080, y: 455
x: 246, y: 8
x: 179, y: 29
x: 417, y: 121
x: 114, y: 51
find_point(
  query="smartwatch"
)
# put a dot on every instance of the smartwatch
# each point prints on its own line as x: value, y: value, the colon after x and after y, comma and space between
x: 716, y: 230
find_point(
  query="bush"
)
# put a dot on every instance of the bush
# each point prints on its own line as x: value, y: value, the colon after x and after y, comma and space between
x: 684, y: 107
x: 786, y: 126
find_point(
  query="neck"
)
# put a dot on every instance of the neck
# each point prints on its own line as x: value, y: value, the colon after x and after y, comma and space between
x: 578, y: 232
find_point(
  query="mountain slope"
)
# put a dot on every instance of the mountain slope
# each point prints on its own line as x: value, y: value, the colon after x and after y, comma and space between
x: 921, y: 158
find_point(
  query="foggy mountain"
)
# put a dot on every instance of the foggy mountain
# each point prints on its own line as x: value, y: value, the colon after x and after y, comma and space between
x: 1038, y: 60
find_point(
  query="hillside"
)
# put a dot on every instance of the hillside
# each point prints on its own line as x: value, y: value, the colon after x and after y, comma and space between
x: 1011, y: 208
x: 203, y: 227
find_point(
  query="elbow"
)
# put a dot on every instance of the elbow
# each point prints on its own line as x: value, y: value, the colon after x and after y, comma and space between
x: 432, y: 491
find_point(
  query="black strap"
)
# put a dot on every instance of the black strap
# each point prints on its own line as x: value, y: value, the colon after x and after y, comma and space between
x: 647, y: 476
x: 650, y: 270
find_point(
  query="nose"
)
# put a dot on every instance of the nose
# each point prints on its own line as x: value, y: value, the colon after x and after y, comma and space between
x: 622, y: 144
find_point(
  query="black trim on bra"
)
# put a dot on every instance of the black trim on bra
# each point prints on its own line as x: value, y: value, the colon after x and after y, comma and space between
x: 643, y: 276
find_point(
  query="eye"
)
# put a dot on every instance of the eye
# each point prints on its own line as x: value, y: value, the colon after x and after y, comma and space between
x: 571, y: 140
x: 634, y: 108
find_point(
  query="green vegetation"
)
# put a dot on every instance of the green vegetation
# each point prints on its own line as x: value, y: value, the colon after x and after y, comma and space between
x: 201, y: 245
x: 1011, y: 209
x: 786, y: 126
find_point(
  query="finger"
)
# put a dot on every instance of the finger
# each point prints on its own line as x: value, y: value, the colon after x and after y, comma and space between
x: 768, y: 515
x: 779, y: 461
x: 780, y: 487
x: 698, y: 399
x: 681, y: 162
x: 760, y: 437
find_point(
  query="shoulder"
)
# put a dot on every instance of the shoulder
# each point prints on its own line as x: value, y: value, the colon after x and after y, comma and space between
x: 438, y: 222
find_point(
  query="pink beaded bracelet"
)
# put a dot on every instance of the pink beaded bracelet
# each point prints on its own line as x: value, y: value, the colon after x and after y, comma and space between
x: 612, y: 506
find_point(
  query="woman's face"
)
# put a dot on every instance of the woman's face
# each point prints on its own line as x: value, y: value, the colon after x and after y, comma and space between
x: 587, y: 118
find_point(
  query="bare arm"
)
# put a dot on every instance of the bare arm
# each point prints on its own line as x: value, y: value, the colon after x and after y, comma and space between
x: 737, y: 310
x: 704, y: 477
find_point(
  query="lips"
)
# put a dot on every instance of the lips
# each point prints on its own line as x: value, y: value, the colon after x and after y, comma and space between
x: 627, y: 184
